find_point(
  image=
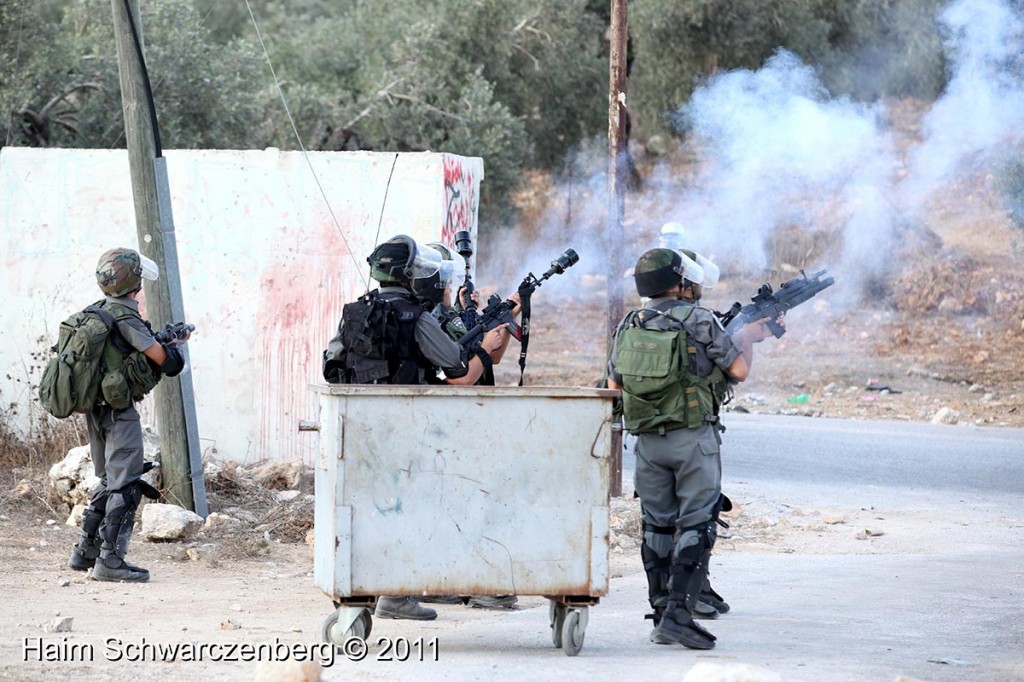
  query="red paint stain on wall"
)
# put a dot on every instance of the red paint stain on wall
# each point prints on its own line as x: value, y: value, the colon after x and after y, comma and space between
x: 301, y: 296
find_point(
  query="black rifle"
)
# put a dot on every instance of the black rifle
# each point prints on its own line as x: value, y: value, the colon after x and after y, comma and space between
x: 178, y: 330
x: 772, y: 304
x: 499, y: 312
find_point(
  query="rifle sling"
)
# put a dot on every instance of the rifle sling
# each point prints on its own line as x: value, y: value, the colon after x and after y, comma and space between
x: 524, y: 299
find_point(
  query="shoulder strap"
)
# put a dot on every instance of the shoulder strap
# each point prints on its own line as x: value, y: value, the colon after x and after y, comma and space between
x: 644, y: 314
x: 115, y: 336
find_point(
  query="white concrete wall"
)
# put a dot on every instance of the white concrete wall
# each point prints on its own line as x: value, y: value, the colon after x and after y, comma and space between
x: 265, y: 266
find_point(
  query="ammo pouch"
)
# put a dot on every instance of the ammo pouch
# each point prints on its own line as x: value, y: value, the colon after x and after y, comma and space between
x: 129, y: 381
x: 115, y: 390
x: 141, y: 375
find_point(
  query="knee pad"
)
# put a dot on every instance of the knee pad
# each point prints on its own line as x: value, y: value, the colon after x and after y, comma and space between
x: 658, y: 566
x: 657, y: 540
x: 694, y: 541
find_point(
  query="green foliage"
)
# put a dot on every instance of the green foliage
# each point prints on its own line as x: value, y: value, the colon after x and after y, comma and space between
x: 521, y: 83
x: 63, y: 87
x: 516, y: 82
x: 863, y: 48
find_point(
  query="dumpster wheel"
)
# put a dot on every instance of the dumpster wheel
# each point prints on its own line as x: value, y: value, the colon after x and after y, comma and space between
x: 360, y: 627
x: 574, y: 629
x: 556, y: 618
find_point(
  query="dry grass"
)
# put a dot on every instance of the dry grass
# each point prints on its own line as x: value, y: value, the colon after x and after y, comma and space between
x: 25, y: 460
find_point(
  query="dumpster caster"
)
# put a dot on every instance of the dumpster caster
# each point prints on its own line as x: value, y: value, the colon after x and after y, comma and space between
x: 573, y: 630
x: 556, y: 617
x: 345, y: 623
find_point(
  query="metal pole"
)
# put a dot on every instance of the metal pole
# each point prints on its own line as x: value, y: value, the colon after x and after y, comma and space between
x: 617, y: 177
x: 181, y: 469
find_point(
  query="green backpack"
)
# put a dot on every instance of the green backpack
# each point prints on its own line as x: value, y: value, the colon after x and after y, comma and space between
x: 91, y: 357
x: 660, y: 387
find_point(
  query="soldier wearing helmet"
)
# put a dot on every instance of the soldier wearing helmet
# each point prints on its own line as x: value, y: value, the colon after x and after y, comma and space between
x: 678, y: 466
x: 435, y: 293
x: 115, y: 434
x: 413, y: 351
x: 420, y: 348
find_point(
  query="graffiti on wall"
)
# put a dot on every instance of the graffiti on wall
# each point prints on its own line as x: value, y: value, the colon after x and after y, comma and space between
x: 460, y: 199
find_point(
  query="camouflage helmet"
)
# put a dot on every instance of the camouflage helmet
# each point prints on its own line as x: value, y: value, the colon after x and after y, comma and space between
x: 657, y: 271
x: 120, y: 271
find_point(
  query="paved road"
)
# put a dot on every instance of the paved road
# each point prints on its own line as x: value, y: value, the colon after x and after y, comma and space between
x: 949, y: 611
x: 915, y: 458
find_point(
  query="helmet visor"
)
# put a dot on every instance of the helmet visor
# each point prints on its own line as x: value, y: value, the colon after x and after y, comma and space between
x: 711, y: 271
x: 690, y: 269
x: 149, y: 269
x: 425, y: 263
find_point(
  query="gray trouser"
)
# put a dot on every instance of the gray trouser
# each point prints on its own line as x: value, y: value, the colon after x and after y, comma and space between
x: 679, y: 481
x: 115, y: 441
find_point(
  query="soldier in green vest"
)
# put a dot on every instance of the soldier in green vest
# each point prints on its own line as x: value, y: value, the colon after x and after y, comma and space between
x: 673, y: 361
x: 115, y: 432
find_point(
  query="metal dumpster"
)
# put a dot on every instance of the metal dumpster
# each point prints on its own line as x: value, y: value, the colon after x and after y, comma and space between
x: 445, y: 490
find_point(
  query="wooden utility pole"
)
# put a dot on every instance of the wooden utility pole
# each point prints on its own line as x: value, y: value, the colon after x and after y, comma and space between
x: 181, y: 462
x: 617, y: 177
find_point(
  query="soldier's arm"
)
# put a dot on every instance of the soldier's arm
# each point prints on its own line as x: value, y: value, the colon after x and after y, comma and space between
x: 744, y: 339
x: 441, y: 351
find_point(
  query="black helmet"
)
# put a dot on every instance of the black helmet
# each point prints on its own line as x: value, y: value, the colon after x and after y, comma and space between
x: 400, y: 259
x: 433, y: 287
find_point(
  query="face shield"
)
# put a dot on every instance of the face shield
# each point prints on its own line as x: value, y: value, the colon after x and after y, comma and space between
x: 689, y: 268
x: 148, y: 269
x: 425, y: 262
x: 434, y: 287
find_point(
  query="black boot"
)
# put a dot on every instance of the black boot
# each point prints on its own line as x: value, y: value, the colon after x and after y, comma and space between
x: 116, y: 533
x: 704, y: 610
x: 114, y: 569
x: 84, y: 553
x: 713, y: 599
x: 678, y: 627
x: 688, y: 574
x: 403, y: 608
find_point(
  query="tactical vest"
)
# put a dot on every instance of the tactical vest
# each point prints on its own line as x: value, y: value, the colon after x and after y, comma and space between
x: 666, y: 379
x: 127, y: 374
x: 378, y: 342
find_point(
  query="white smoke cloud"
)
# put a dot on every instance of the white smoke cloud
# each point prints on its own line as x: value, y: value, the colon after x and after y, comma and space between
x: 775, y: 150
x: 983, y: 104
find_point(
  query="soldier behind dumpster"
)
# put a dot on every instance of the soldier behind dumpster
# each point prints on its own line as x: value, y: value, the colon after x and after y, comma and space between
x: 115, y: 434
x: 435, y: 295
x: 413, y: 351
x: 675, y: 417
